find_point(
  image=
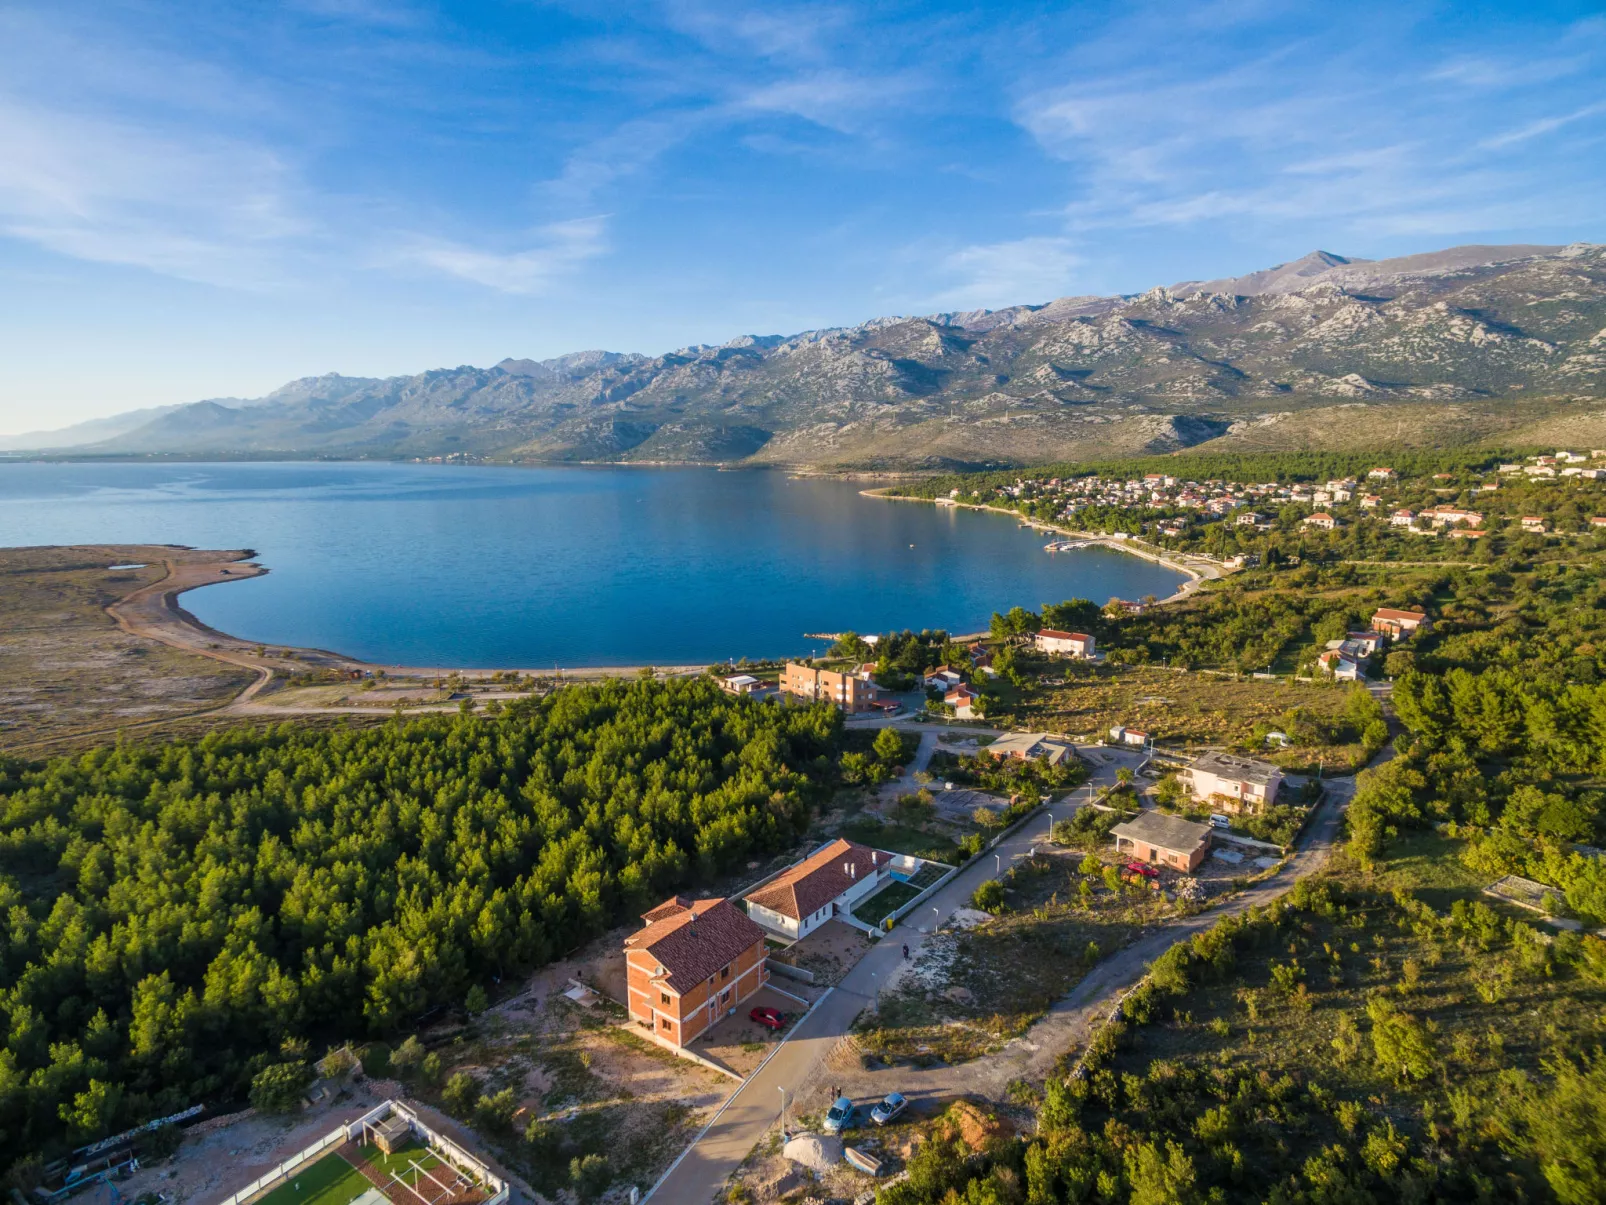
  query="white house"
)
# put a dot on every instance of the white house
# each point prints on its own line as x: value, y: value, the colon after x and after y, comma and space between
x: 1070, y: 644
x: 942, y: 678
x: 1234, y: 783
x: 963, y: 700
x: 826, y: 883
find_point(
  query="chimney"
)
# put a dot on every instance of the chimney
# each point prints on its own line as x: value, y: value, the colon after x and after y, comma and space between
x: 853, y: 870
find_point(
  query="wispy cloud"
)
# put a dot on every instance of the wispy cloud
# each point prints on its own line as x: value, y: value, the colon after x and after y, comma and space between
x: 836, y: 100
x: 556, y: 251
x: 1543, y: 125
x: 1297, y: 135
x: 199, y: 208
x: 993, y: 275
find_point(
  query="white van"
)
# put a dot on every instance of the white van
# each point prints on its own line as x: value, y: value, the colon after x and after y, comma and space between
x: 1217, y: 820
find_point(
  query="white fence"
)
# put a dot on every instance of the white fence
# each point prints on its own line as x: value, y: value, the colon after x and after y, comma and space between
x: 353, y: 1131
x: 289, y: 1165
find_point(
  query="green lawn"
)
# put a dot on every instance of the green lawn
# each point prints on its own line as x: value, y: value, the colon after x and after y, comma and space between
x: 876, y: 908
x: 329, y: 1181
x: 401, y: 1163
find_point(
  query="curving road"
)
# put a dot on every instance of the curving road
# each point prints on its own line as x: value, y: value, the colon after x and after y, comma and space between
x: 703, y: 1169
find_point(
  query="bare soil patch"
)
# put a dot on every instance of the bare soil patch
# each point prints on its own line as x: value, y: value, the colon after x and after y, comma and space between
x: 68, y: 670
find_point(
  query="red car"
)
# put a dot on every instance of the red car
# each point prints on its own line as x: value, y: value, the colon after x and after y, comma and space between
x: 1143, y: 869
x: 769, y: 1018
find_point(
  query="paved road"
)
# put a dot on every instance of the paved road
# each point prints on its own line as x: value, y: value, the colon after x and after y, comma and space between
x: 704, y: 1168
x: 799, y: 1064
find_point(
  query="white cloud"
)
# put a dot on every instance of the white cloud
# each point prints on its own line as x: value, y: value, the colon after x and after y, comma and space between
x: 1292, y: 137
x: 1542, y: 126
x: 558, y: 250
x: 200, y: 208
x: 835, y: 100
x: 993, y: 275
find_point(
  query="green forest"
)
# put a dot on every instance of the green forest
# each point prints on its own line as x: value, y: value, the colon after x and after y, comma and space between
x: 187, y: 919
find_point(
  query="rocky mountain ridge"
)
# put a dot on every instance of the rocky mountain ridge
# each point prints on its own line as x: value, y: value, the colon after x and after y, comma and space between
x: 1462, y: 339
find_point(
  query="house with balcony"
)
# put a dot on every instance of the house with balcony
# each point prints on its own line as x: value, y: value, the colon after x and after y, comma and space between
x: 691, y: 966
x: 1229, y: 783
x: 847, y: 691
x: 1077, y: 645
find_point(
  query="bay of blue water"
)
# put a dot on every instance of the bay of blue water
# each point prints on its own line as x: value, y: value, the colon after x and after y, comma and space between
x: 532, y: 568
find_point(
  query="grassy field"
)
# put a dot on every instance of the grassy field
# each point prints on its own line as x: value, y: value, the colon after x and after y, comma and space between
x: 975, y: 989
x: 329, y: 1181
x: 65, y: 666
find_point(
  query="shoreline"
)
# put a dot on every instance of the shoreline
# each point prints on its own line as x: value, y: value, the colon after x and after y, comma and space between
x: 153, y: 611
x: 1197, y: 574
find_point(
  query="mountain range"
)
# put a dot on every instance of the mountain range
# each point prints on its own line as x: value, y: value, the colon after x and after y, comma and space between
x: 1470, y: 343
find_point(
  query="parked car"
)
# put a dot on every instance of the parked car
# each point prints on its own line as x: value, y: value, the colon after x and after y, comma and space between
x: 769, y: 1018
x: 889, y: 1109
x: 1217, y: 820
x: 1144, y: 869
x: 840, y: 1117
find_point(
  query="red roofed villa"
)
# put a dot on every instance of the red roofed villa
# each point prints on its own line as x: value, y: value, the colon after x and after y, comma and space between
x: 825, y: 884
x: 692, y: 966
x: 1397, y: 624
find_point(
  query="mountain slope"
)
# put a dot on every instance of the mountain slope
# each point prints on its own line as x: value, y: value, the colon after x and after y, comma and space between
x: 1461, y: 338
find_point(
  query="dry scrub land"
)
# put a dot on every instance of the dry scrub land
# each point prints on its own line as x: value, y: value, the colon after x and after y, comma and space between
x: 1188, y: 707
x: 67, y: 669
x: 978, y: 985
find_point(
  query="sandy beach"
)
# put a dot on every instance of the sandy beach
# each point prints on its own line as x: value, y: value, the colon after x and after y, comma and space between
x: 1198, y: 569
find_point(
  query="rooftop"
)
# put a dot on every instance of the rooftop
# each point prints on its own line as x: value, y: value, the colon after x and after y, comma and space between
x: 1239, y: 769
x: 1052, y: 749
x: 1171, y: 833
x: 819, y: 878
x: 693, y: 939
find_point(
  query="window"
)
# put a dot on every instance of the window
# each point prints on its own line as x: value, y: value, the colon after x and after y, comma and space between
x: 664, y: 1021
x: 725, y: 996
x: 663, y: 997
x: 725, y: 972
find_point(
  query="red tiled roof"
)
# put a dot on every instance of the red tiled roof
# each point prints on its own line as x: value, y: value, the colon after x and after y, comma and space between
x: 693, y: 942
x: 819, y: 879
x: 673, y: 906
x: 1394, y: 613
x: 1056, y: 634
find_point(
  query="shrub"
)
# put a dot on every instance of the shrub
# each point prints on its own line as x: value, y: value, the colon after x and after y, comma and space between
x: 496, y: 1111
x: 277, y: 1088
x: 461, y: 1094
x: 589, y: 1175
x: 989, y: 897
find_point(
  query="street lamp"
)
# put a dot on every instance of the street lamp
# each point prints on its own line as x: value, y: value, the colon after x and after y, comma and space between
x: 782, y: 1090
x: 999, y: 862
x: 938, y: 914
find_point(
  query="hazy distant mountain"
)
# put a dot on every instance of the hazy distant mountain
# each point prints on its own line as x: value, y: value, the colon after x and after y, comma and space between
x: 1451, y: 345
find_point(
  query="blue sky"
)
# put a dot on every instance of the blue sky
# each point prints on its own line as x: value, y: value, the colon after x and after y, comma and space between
x: 210, y: 199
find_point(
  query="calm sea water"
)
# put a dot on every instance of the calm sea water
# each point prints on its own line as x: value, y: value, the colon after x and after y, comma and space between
x: 516, y: 567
